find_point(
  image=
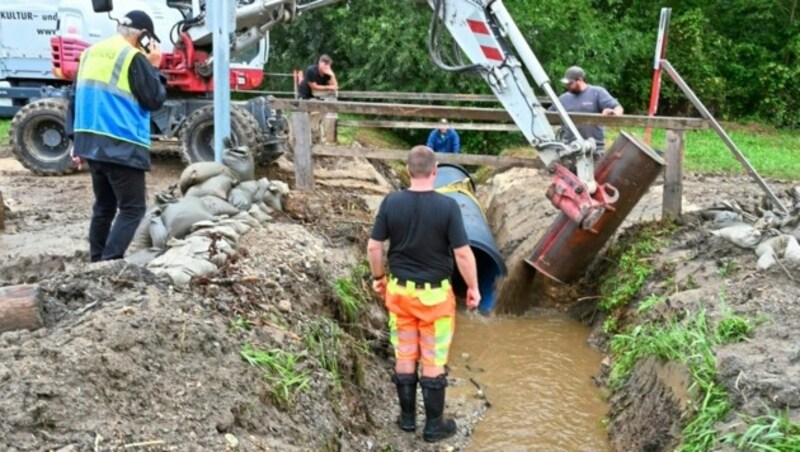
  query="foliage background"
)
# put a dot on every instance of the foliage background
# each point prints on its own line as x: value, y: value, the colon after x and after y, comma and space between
x: 742, y: 57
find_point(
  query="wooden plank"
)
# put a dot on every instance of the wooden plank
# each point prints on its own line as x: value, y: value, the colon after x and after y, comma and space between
x: 427, y: 125
x: 303, y: 163
x: 673, y: 174
x: 329, y: 126
x: 482, y: 114
x: 20, y: 308
x: 460, y: 159
x: 396, y: 95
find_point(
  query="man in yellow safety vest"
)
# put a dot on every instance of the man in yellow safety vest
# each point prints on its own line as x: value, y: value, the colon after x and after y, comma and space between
x: 118, y: 85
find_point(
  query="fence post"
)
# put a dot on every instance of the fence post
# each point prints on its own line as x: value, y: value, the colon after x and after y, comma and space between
x: 673, y: 174
x: 303, y: 162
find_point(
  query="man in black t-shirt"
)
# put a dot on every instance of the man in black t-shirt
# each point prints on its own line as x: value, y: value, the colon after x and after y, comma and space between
x: 425, y: 230
x: 318, y: 77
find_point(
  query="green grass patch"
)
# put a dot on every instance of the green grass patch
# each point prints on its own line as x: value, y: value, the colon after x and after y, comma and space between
x: 282, y: 372
x: 634, y: 264
x: 352, y: 295
x: 5, y: 128
x: 773, y: 153
x: 770, y: 433
x: 650, y: 302
x: 691, y: 341
x: 324, y: 340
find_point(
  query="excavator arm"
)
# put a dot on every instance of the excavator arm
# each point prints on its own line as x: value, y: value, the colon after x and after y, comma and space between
x: 485, y: 32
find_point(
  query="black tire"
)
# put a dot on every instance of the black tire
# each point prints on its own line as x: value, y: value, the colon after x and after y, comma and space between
x: 197, y: 135
x: 39, y: 140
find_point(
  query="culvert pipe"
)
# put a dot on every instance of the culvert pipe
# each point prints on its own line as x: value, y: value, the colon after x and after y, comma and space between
x: 455, y: 182
x: 566, y: 250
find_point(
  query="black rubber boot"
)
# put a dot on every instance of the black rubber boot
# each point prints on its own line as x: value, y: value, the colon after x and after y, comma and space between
x: 437, y: 427
x: 407, y: 394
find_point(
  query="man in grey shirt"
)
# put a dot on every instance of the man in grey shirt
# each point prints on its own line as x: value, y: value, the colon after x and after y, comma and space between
x: 584, y: 98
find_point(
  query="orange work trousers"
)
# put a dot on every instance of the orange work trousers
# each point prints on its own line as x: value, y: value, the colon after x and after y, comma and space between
x: 421, y: 321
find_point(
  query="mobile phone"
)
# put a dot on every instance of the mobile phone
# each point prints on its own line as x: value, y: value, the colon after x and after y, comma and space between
x: 145, y: 41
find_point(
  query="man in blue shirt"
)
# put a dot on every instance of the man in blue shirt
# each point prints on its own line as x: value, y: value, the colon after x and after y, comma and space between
x: 444, y: 139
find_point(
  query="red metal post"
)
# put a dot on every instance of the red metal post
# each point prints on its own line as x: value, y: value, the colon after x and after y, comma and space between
x: 661, y: 51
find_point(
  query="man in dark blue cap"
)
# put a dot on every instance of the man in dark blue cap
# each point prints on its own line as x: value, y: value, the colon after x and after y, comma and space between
x: 117, y: 87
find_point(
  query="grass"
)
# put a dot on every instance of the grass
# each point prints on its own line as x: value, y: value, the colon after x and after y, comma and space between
x: 352, y: 294
x: 324, y: 340
x: 5, y: 127
x: 691, y: 341
x: 773, y: 153
x: 634, y: 265
x: 770, y: 433
x: 282, y: 372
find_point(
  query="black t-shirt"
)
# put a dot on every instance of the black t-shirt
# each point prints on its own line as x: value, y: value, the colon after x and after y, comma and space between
x: 312, y: 75
x: 423, y: 228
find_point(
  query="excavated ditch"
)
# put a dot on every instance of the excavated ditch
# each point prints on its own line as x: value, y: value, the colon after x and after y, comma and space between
x: 126, y: 359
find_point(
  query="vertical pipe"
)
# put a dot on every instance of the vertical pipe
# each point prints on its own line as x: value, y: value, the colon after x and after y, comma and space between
x: 661, y: 51
x: 221, y: 18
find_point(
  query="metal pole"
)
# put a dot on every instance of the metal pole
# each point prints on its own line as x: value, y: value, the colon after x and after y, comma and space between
x: 661, y: 51
x: 721, y: 132
x: 221, y: 22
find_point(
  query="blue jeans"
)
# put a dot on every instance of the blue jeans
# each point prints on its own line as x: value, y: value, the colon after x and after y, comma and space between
x: 116, y: 187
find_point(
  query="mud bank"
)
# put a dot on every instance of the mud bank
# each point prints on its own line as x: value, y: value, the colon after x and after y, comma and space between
x: 267, y: 355
x: 702, y: 285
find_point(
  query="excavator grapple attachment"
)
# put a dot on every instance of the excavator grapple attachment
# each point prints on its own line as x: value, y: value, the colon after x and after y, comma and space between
x: 586, y: 223
x: 569, y: 195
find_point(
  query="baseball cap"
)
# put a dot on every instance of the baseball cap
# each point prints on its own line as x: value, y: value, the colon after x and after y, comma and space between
x: 139, y: 20
x: 572, y: 74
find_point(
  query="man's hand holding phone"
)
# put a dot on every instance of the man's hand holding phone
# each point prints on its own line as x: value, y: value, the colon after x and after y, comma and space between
x: 154, y: 54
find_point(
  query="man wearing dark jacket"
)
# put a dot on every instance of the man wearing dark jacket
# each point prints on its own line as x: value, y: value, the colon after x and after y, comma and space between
x: 117, y: 87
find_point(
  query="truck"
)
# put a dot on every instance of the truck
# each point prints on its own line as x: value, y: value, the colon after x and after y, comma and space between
x: 40, y: 46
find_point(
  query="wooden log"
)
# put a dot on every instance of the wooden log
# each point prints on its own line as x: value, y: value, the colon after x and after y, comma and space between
x: 673, y: 174
x: 461, y: 159
x: 20, y: 308
x: 303, y: 163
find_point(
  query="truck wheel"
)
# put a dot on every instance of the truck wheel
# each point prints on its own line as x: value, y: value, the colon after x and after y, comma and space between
x: 39, y: 140
x: 197, y: 136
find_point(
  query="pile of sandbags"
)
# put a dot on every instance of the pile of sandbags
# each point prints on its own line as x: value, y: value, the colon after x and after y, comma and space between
x: 772, y: 236
x: 195, y: 234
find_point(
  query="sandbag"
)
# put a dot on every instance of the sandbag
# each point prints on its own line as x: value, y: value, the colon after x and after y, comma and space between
x: 199, y: 172
x: 742, y: 235
x: 209, y: 228
x: 218, y: 186
x: 218, y: 207
x: 141, y: 238
x: 158, y: 232
x: 259, y: 214
x: 722, y: 218
x: 783, y: 246
x: 240, y: 161
x: 143, y: 257
x: 241, y: 196
x: 276, y: 192
x: 180, y: 216
x: 263, y: 186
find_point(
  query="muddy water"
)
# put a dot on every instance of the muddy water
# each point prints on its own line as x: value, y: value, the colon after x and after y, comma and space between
x: 536, y: 372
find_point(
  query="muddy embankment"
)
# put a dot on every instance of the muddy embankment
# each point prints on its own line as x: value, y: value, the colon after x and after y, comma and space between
x: 286, y: 349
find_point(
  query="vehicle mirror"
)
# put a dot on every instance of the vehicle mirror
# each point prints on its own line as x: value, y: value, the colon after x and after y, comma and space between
x: 102, y: 6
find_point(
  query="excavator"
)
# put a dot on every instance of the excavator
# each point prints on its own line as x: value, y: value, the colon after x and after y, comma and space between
x: 592, y: 200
